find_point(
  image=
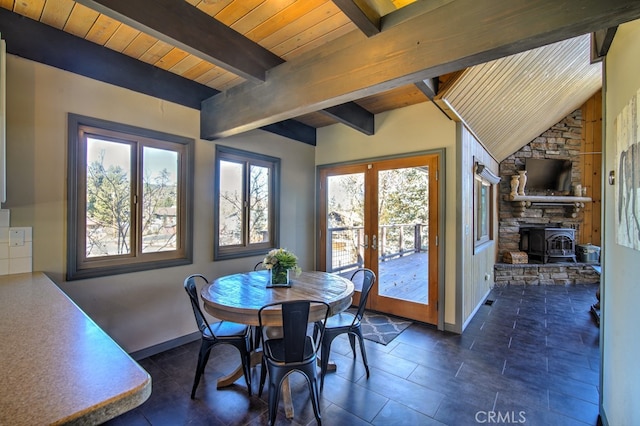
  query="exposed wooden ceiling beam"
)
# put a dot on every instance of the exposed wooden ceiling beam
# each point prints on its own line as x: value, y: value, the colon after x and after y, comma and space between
x: 178, y: 23
x: 362, y: 16
x: 47, y: 45
x: 352, y: 115
x: 41, y: 43
x: 456, y: 35
x: 601, y: 42
x: 293, y: 129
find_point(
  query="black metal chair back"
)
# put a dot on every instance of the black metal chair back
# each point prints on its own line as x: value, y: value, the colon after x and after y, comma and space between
x: 367, y: 283
x: 294, y: 350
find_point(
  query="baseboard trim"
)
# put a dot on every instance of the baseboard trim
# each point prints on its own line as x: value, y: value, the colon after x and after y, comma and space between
x: 165, y: 346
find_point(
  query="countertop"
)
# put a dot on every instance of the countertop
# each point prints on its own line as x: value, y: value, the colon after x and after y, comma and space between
x: 56, y: 365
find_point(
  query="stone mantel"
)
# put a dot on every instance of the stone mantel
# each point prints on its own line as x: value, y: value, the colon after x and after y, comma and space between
x: 522, y: 202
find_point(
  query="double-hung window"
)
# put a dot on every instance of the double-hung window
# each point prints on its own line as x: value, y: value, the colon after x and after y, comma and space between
x: 246, y: 214
x: 130, y: 198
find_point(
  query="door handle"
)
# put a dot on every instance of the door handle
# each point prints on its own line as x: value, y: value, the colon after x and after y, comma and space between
x: 366, y: 241
x: 374, y: 243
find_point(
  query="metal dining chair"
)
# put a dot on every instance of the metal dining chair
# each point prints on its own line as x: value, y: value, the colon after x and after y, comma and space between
x: 222, y: 332
x: 347, y: 322
x: 294, y: 349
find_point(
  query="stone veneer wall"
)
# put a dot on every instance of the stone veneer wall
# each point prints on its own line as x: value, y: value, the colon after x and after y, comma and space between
x: 547, y: 274
x: 562, y: 141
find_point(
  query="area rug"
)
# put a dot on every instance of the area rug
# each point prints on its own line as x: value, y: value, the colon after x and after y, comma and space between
x: 381, y: 328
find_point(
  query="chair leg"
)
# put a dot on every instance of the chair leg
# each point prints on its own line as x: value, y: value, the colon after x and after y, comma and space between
x: 325, y: 350
x: 312, y: 379
x: 263, y: 376
x: 203, y: 358
x: 363, y: 351
x: 275, y: 382
x: 352, y: 342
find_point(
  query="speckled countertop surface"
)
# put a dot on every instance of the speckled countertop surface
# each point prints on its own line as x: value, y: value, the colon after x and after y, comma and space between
x: 56, y: 365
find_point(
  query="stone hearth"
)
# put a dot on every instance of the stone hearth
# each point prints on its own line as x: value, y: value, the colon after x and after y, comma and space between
x: 547, y: 274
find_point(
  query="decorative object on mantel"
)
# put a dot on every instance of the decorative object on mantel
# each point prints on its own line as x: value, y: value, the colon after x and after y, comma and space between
x: 515, y: 257
x: 523, y: 181
x: 279, y: 262
x: 515, y: 181
x: 523, y: 202
x: 577, y: 190
x: 486, y: 174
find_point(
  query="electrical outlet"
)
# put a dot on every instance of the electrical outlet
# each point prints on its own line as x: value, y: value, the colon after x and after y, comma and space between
x: 16, y: 237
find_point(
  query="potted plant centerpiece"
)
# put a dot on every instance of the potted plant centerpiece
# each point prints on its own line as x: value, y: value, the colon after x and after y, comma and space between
x: 279, y: 262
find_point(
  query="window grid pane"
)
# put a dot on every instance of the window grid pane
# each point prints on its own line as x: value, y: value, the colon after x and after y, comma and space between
x: 159, y: 200
x: 258, y: 204
x: 108, y: 198
x: 231, y: 202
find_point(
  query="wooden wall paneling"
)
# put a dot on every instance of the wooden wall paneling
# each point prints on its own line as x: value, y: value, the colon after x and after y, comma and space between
x: 591, y: 169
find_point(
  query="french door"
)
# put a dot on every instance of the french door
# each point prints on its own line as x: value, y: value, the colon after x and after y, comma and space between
x: 383, y: 215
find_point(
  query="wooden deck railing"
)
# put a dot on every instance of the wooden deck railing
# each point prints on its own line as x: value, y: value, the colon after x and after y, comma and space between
x: 346, y: 244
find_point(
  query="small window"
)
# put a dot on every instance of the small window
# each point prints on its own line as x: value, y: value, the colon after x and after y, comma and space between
x: 247, y: 190
x: 483, y: 212
x: 483, y: 187
x: 130, y: 198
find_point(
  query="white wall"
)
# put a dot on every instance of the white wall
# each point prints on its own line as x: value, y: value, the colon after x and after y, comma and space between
x: 142, y: 309
x: 620, y: 339
x: 416, y: 128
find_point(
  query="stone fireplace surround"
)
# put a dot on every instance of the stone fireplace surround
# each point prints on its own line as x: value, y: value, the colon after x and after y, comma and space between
x: 562, y: 141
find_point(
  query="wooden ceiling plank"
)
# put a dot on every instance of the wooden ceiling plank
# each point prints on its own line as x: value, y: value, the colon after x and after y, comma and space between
x: 81, y: 20
x: 262, y: 13
x: 236, y: 11
x: 209, y: 76
x: 102, y: 30
x: 283, y: 18
x: 122, y: 38
x: 169, y: 60
x: 322, y: 29
x: 156, y: 52
x: 324, y: 39
x: 365, y: 19
x: 319, y: 14
x: 454, y: 36
x: 29, y: 8
x: 139, y: 45
x: 186, y: 27
x: 187, y: 63
x: 211, y: 8
x: 57, y: 13
x: 198, y: 70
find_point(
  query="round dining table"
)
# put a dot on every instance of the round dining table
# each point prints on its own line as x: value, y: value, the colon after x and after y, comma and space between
x: 239, y: 297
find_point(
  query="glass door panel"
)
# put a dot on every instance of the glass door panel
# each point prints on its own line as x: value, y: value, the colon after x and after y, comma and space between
x: 379, y: 215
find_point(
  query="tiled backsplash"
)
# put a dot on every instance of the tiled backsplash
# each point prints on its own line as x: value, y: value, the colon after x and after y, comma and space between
x: 15, y: 247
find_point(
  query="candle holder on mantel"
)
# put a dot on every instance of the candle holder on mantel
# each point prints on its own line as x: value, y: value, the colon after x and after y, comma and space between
x: 523, y: 181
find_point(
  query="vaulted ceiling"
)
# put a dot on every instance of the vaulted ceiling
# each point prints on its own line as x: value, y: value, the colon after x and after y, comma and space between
x: 292, y: 66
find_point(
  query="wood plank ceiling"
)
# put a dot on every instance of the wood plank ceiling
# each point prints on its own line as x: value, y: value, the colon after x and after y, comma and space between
x: 273, y: 31
x: 287, y: 28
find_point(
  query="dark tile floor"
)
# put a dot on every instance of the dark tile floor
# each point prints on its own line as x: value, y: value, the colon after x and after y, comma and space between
x: 529, y: 358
